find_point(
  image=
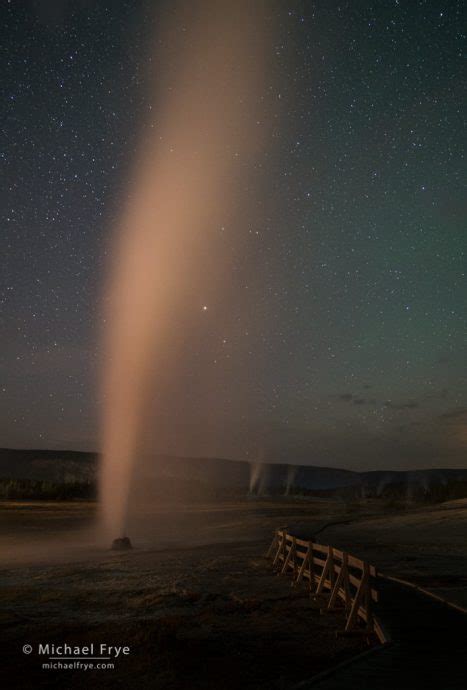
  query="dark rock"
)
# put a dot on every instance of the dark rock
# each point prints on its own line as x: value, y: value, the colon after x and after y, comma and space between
x: 121, y: 544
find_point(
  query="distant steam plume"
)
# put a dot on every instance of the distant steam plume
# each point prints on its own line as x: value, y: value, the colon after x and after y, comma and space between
x: 208, y: 77
x: 291, y: 477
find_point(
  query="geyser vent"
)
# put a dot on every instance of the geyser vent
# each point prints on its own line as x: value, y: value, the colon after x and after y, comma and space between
x: 121, y: 544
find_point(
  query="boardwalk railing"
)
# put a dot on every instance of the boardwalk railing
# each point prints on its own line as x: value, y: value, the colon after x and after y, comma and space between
x: 341, y: 578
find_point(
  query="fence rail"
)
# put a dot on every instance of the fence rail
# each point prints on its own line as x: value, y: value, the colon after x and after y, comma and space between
x: 334, y: 574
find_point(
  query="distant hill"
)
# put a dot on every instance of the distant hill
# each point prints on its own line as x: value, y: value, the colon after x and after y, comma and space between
x: 72, y: 466
x: 259, y: 477
x: 62, y: 466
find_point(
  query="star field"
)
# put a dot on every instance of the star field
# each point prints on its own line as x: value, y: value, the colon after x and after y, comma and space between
x: 341, y: 336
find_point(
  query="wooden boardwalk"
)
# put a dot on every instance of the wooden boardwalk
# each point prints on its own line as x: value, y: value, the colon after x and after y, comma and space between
x: 335, y: 575
x: 428, y: 652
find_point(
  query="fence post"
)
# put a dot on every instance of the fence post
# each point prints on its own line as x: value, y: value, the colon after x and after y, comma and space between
x: 370, y: 626
x: 306, y: 561
x: 329, y: 564
x: 280, y: 547
x: 311, y: 568
x: 348, y: 597
x: 332, y: 572
x: 340, y: 580
x: 288, y: 555
x: 361, y: 592
x: 294, y: 560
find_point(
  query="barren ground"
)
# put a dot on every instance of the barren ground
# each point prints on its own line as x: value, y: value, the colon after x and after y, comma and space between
x: 196, y: 601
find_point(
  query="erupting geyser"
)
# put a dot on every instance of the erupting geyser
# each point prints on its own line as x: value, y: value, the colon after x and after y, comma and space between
x: 183, y: 182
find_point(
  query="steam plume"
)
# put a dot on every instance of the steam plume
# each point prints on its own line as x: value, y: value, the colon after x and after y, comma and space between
x: 183, y: 180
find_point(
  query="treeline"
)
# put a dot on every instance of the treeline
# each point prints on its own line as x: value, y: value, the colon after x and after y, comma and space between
x: 402, y: 492
x: 436, y: 493
x: 42, y: 490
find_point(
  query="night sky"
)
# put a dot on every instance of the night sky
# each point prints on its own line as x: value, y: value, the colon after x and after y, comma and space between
x: 339, y: 334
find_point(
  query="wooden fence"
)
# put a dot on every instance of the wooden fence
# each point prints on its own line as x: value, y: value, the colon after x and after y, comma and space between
x: 333, y: 574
